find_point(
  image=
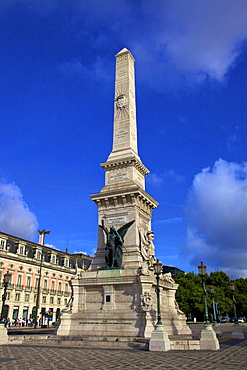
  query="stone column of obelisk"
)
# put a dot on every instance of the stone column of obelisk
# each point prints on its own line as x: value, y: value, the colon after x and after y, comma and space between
x: 123, y: 197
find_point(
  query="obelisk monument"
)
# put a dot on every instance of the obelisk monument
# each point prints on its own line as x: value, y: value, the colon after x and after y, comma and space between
x: 123, y: 197
x: 116, y: 297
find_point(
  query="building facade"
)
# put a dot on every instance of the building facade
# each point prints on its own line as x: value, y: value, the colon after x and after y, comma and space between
x: 36, y: 269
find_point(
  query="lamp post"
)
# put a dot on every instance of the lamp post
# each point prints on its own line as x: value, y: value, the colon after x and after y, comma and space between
x: 159, y: 338
x: 42, y: 234
x: 6, y: 280
x: 213, y: 304
x: 202, y: 272
x: 237, y: 332
x: 208, y: 335
x: 157, y: 272
x: 232, y: 289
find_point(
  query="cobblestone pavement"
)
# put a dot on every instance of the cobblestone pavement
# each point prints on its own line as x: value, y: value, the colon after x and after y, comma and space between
x: 232, y: 356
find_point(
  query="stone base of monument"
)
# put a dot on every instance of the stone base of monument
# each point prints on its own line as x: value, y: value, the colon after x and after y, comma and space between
x: 119, y: 303
x: 159, y: 340
x: 3, y: 335
x: 237, y: 332
x: 217, y: 330
x: 177, y: 342
x: 209, y: 339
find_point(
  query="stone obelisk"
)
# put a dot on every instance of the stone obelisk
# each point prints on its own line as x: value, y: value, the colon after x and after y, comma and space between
x: 116, y: 302
x: 123, y: 197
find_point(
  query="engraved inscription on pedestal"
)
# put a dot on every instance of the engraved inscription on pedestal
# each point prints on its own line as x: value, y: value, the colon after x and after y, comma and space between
x: 120, y: 176
x: 116, y: 220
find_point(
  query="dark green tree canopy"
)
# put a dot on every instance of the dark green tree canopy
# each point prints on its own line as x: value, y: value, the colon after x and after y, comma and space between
x: 190, y: 294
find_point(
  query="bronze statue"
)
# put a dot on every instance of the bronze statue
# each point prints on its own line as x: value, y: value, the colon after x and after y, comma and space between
x: 114, y: 244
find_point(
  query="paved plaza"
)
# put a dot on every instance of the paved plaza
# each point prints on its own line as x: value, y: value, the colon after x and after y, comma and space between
x: 232, y: 356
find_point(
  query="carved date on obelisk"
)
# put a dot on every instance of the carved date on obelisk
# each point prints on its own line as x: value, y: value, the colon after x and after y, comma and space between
x: 114, y: 244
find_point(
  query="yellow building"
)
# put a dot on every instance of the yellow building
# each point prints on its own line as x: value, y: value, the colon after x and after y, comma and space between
x: 31, y: 266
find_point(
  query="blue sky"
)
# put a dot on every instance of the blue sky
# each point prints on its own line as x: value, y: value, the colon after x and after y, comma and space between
x: 56, y: 101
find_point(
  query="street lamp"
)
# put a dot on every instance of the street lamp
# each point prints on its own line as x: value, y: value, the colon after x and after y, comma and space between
x: 237, y: 332
x: 202, y: 272
x: 6, y: 280
x: 159, y: 338
x: 42, y: 234
x: 157, y: 271
x: 232, y: 289
x: 213, y: 304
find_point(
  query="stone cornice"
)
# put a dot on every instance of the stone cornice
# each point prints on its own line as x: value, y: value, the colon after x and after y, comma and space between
x: 135, y: 196
x: 126, y: 162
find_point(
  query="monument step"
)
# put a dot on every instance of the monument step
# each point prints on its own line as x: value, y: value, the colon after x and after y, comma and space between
x: 178, y: 342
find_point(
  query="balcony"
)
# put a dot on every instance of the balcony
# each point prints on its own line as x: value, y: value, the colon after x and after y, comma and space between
x: 59, y: 292
x: 28, y: 289
x: 18, y: 287
x: 52, y: 291
x: 45, y: 291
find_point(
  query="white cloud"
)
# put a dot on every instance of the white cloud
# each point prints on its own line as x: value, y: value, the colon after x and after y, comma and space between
x: 167, y: 175
x: 73, y: 67
x: 185, y: 40
x: 78, y: 252
x: 195, y: 39
x: 51, y: 246
x: 155, y: 180
x: 15, y: 216
x: 217, y: 224
x: 174, y: 220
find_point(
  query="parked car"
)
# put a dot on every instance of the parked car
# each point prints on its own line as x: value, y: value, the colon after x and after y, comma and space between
x: 232, y: 319
x: 224, y: 319
x: 241, y: 319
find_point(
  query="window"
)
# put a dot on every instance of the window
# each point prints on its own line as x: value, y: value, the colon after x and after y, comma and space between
x: 45, y: 284
x: 67, y: 262
x: 53, y: 259
x: 17, y: 296
x: 34, y: 297
x: 36, y: 282
x: 21, y: 249
x: 53, y: 286
x: 19, y: 279
x: 66, y: 287
x: 26, y: 297
x: 52, y: 300
x: 28, y: 282
x: 108, y: 298
x: 65, y: 301
x: 59, y: 301
x: 8, y: 296
x: 59, y: 287
x: 15, y: 312
x: 2, y: 244
x: 44, y: 299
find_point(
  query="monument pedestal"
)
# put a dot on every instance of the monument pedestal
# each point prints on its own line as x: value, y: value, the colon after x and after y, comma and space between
x: 3, y: 335
x: 159, y: 340
x: 115, y: 303
x: 208, y: 339
x: 237, y: 332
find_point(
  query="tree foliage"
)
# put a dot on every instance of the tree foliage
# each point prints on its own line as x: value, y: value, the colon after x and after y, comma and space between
x: 190, y: 294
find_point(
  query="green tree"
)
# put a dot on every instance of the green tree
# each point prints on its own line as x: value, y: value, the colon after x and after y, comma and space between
x: 190, y: 294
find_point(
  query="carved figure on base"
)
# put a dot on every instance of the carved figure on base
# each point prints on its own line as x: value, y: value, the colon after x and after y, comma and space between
x: 147, y: 247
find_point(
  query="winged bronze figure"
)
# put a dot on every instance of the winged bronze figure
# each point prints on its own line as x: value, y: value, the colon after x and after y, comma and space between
x: 114, y: 244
